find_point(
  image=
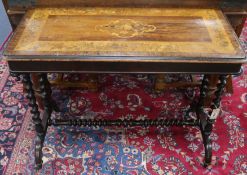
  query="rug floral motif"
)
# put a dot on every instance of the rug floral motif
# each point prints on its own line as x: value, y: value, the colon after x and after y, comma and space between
x: 125, y: 151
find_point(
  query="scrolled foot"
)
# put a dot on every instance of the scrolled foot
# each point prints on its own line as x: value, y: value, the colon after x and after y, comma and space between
x: 208, y: 153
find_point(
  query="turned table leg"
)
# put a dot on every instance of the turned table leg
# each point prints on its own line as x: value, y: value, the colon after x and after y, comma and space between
x: 35, y: 81
x: 46, y: 92
x: 212, y: 86
x: 40, y: 130
x: 40, y: 123
x: 207, y: 119
x: 204, y: 91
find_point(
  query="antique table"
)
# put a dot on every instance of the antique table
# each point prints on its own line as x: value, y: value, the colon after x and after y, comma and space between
x: 123, y: 40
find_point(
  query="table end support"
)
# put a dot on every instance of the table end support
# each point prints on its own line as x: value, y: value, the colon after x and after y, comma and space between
x: 39, y: 128
x: 207, y: 118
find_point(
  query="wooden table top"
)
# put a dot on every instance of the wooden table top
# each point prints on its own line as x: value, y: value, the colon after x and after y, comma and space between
x: 132, y: 34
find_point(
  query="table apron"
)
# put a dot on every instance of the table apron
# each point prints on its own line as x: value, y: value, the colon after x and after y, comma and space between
x: 123, y: 67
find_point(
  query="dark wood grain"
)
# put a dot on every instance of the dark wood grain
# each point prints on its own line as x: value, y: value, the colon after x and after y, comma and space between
x: 123, y: 67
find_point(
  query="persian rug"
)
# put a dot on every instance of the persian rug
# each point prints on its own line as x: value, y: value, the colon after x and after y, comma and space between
x: 125, y: 151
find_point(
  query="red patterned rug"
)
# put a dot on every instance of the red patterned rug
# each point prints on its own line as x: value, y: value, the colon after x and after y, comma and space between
x: 133, y: 151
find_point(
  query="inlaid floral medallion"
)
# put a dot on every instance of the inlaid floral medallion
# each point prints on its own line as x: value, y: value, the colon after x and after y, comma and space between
x: 126, y: 28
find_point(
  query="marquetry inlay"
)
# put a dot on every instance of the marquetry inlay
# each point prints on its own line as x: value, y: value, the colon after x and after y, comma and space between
x: 126, y: 28
x: 154, y: 32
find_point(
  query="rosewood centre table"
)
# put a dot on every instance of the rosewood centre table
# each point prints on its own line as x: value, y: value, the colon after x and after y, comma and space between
x: 123, y: 40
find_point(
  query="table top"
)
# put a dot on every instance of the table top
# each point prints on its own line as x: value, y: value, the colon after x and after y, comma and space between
x: 125, y: 34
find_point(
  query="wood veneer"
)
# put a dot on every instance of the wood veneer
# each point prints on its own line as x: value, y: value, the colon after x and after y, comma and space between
x: 125, y: 34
